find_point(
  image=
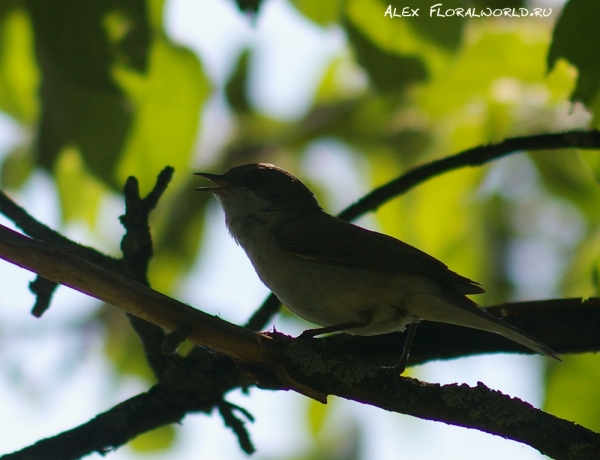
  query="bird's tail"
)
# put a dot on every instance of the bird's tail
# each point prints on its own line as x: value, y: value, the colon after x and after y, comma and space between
x: 473, y: 316
x: 492, y: 324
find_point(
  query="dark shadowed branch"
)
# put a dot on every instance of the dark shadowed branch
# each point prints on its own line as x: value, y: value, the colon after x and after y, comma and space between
x: 568, y: 325
x: 307, y: 366
x: 340, y: 365
x: 137, y: 249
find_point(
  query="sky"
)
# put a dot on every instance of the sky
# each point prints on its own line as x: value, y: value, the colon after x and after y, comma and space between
x: 37, y: 401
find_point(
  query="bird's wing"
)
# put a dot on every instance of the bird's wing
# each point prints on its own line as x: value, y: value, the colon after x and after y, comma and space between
x: 326, y: 238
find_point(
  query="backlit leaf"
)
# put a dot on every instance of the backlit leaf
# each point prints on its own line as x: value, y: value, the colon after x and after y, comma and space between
x: 19, y: 75
x: 577, y: 32
x: 168, y: 102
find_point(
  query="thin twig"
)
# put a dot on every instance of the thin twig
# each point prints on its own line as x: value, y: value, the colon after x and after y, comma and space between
x: 135, y: 298
x: 137, y: 249
x: 226, y: 410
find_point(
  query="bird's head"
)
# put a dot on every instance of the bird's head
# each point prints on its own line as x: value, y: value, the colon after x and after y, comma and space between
x: 261, y: 190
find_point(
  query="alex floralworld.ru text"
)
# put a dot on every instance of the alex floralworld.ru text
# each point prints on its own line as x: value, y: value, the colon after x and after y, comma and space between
x: 438, y: 11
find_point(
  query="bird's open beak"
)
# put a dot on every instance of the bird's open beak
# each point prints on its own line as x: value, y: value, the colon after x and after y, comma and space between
x: 222, y: 183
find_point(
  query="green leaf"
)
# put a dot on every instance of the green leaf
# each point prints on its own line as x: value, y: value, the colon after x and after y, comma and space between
x: 575, y: 34
x: 446, y: 32
x: 321, y: 12
x: 592, y: 159
x: 342, y: 80
x: 494, y: 53
x: 497, y: 87
x: 81, y: 105
x: 168, y: 102
x: 155, y: 13
x: 129, y: 33
x: 99, y: 124
x: 398, y: 36
x: 19, y: 74
x: 387, y: 71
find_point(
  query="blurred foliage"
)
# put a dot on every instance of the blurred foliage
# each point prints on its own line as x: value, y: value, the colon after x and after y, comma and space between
x: 167, y: 100
x: 572, y: 390
x: 575, y: 30
x: 81, y: 103
x: 322, y: 13
x: 102, y: 92
x: 122, y: 346
x: 387, y: 71
x: 19, y: 76
x: 236, y: 88
x: 71, y: 174
x: 156, y: 440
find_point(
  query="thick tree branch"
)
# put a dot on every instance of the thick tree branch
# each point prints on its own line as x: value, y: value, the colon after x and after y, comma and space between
x: 473, y: 157
x: 83, y: 276
x: 307, y: 366
x: 479, y: 407
x: 568, y: 325
x: 316, y: 366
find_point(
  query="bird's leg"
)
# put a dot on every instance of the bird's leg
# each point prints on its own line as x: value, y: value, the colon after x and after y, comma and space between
x: 309, y: 333
x: 401, y: 366
x: 364, y: 320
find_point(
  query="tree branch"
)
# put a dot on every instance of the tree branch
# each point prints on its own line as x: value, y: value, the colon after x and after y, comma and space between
x: 312, y: 363
x: 307, y: 366
x: 138, y: 250
x: 72, y: 271
x: 317, y: 368
x: 481, y: 408
x: 163, y: 404
x: 477, y: 156
x: 568, y: 325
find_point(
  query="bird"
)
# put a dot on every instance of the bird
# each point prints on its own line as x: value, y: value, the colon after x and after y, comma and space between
x: 337, y: 275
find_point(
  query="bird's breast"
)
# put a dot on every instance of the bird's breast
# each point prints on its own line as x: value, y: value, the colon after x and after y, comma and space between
x: 329, y: 294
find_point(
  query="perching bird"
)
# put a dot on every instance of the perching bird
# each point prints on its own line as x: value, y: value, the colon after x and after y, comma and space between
x: 340, y: 276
